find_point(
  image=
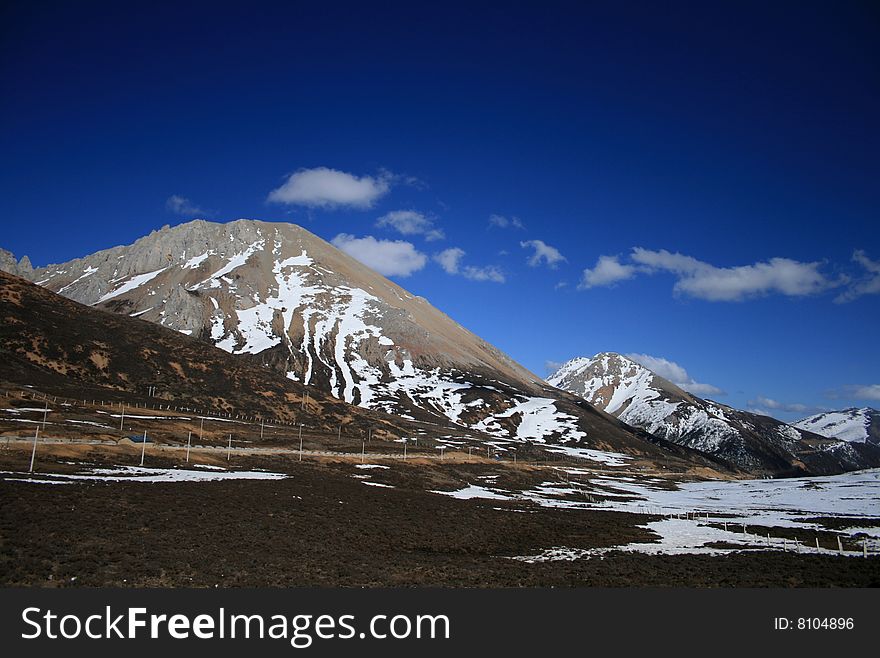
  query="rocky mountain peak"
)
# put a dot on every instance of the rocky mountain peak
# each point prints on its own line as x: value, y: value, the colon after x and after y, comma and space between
x: 611, y: 381
x: 639, y: 397
x: 8, y: 263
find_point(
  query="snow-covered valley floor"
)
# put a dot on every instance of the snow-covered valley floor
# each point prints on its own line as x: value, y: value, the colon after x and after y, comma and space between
x: 714, y: 517
x: 710, y: 517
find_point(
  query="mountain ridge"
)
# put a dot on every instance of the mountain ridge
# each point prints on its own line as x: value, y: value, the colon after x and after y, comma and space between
x: 854, y: 424
x: 281, y: 298
x: 641, y: 398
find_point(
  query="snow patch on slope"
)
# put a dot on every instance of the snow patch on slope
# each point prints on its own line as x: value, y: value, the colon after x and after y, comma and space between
x: 131, y: 284
x: 847, y: 425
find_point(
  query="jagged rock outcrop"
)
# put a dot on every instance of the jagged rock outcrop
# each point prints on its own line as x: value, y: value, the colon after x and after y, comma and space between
x: 8, y: 263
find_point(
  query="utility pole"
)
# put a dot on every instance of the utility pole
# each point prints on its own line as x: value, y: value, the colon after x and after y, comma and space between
x: 34, y: 451
x: 45, y: 413
x: 229, y: 449
x: 143, y: 447
x: 300, y: 441
x: 188, y: 443
x: 201, y: 427
x: 122, y: 418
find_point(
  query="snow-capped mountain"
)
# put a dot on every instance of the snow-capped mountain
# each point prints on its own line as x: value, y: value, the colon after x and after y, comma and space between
x: 643, y: 399
x: 279, y: 296
x: 855, y: 425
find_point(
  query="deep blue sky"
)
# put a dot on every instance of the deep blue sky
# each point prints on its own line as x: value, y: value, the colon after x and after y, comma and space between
x: 732, y: 134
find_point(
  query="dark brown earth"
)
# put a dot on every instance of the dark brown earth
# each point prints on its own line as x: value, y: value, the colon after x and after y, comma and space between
x: 323, y: 527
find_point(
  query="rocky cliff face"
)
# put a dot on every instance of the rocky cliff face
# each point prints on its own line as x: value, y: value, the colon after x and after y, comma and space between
x: 643, y: 399
x: 8, y: 263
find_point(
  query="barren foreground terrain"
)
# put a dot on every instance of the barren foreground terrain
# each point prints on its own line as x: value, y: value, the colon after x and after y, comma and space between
x: 90, y: 516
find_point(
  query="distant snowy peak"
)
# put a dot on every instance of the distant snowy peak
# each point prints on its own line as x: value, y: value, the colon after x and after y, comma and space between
x: 621, y: 387
x: 853, y: 425
x: 612, y: 382
x: 643, y: 399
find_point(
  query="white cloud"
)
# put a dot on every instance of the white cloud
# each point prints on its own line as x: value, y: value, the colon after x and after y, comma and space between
x: 857, y: 392
x: 387, y: 257
x: 869, y: 284
x: 180, y: 205
x: 675, y: 373
x: 701, y: 389
x: 869, y: 392
x: 608, y: 271
x: 761, y: 405
x: 323, y: 187
x: 450, y: 260
x: 550, y: 367
x: 485, y: 273
x: 500, y: 221
x: 410, y: 222
x: 702, y: 280
x: 862, y: 259
x: 543, y: 252
x: 705, y: 281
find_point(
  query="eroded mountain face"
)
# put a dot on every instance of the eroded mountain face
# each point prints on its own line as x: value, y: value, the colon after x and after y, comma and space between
x: 56, y: 345
x: 279, y: 295
x: 645, y: 400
